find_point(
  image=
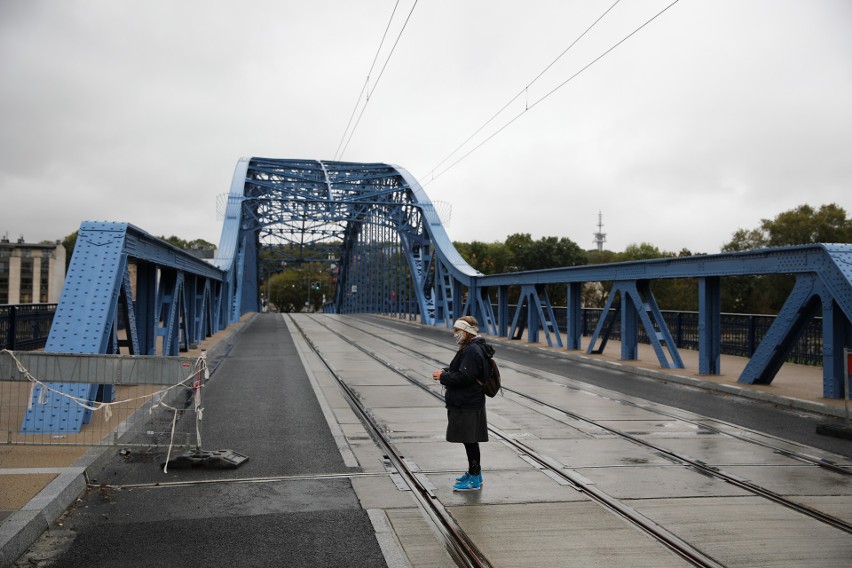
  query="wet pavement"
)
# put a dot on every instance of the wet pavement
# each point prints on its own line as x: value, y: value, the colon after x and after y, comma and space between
x: 314, y: 491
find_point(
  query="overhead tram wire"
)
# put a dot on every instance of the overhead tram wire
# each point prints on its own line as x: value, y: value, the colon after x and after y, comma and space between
x: 366, y: 81
x: 541, y: 99
x: 525, y: 89
x: 379, y: 78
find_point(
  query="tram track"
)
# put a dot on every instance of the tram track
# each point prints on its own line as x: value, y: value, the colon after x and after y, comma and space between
x: 675, y: 457
x: 462, y: 549
x: 798, y: 456
x: 458, y: 544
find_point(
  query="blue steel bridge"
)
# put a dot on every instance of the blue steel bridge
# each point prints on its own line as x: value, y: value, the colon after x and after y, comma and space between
x: 376, y: 224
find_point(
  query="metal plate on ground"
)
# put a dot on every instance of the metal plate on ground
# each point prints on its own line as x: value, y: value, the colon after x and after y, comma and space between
x: 217, y: 459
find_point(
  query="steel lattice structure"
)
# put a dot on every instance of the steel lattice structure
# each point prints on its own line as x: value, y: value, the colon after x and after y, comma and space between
x: 373, y: 222
x: 375, y: 227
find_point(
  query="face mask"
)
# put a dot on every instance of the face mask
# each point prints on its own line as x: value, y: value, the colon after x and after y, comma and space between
x: 459, y: 337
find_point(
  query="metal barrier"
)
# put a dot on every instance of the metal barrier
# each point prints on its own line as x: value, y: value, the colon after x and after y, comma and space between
x: 139, y: 400
x: 24, y: 327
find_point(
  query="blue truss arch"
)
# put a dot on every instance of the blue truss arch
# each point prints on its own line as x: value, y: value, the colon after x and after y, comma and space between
x: 351, y: 216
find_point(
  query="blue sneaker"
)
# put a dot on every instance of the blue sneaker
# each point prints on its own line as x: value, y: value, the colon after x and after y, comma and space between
x: 467, y: 476
x: 472, y: 483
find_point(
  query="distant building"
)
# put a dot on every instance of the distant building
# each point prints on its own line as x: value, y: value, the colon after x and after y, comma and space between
x: 31, y: 273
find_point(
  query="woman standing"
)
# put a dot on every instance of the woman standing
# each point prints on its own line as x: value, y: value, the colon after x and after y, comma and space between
x: 465, y: 401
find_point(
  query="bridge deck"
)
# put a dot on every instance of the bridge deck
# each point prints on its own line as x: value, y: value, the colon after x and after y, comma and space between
x: 321, y: 493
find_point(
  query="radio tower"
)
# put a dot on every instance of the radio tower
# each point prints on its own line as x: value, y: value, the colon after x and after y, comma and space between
x: 600, y: 236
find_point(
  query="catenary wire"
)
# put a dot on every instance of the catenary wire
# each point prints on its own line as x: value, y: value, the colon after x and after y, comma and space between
x: 376, y: 84
x: 525, y: 89
x: 541, y: 99
x: 367, y: 80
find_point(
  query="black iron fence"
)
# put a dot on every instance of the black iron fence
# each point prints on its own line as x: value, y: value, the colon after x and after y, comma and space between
x: 741, y: 333
x: 25, y: 327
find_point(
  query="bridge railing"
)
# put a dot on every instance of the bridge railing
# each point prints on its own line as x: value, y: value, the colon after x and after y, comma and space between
x: 25, y: 327
x: 741, y: 333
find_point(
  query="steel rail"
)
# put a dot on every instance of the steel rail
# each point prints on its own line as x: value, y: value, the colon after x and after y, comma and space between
x: 683, y: 460
x: 799, y: 456
x: 457, y: 543
x: 672, y: 542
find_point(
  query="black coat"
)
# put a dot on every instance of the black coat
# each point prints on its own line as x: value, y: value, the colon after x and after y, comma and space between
x: 461, y: 377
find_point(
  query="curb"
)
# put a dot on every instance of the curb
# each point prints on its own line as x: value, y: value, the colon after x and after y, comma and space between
x: 23, y: 527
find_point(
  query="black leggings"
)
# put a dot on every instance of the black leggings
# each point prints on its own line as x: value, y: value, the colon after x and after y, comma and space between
x: 472, y: 449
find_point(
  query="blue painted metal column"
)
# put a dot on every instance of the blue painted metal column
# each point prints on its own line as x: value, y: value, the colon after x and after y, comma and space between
x: 836, y: 333
x: 574, y: 329
x: 502, y: 311
x: 629, y: 327
x: 709, y: 325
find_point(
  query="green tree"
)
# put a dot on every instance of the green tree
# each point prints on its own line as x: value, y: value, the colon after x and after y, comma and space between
x: 197, y: 244
x: 643, y: 251
x: 799, y: 226
x: 69, y: 243
x: 488, y: 258
x: 595, y: 256
x: 547, y: 252
x: 671, y: 294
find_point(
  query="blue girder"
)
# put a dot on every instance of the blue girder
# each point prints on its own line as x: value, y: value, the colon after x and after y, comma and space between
x: 97, y: 312
x: 824, y: 277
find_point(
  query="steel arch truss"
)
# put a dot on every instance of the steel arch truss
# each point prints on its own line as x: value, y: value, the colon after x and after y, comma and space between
x: 371, y: 225
x: 124, y: 290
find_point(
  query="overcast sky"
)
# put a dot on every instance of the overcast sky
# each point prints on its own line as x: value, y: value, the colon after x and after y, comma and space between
x: 713, y: 116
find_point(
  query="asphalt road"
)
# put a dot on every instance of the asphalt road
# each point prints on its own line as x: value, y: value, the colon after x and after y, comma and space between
x: 258, y: 403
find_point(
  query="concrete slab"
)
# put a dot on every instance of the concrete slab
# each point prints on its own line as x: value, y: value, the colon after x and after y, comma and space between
x: 396, y: 396
x: 542, y: 426
x: 566, y: 534
x: 597, y: 453
x: 660, y: 428
x: 655, y: 482
x: 504, y: 486
x: 796, y: 480
x: 370, y: 375
x: 381, y: 493
x: 418, y: 540
x: 446, y: 456
x: 400, y: 416
x: 723, y: 450
x: 750, y: 531
x: 838, y: 506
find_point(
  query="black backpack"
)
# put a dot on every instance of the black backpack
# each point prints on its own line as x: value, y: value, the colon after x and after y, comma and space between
x: 491, y: 383
x: 491, y: 386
